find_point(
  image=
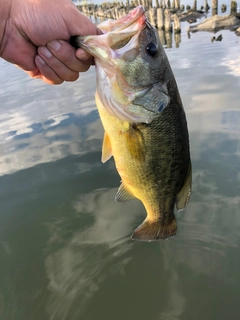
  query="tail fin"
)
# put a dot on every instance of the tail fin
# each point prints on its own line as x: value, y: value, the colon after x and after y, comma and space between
x: 153, y: 231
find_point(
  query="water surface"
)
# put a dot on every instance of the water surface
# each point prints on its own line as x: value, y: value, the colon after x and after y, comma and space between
x: 65, y: 252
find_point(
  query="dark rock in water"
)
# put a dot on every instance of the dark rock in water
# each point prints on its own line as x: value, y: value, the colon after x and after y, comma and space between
x: 224, y: 8
x: 219, y: 38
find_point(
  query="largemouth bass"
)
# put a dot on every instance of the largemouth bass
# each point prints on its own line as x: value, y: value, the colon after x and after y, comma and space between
x: 144, y: 121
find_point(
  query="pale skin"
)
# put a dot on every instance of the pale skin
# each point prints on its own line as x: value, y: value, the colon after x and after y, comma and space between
x: 34, y: 35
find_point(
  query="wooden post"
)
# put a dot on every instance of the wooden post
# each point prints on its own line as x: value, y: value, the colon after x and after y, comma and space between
x: 177, y: 4
x: 177, y: 38
x: 160, y: 18
x: 162, y: 38
x: 149, y: 3
x: 168, y: 36
x: 195, y: 5
x: 152, y: 16
x: 214, y: 7
x: 177, y: 25
x: 168, y: 25
x: 233, y: 9
x: 121, y: 13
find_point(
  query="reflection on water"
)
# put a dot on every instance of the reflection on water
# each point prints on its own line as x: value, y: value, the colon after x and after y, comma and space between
x: 65, y: 251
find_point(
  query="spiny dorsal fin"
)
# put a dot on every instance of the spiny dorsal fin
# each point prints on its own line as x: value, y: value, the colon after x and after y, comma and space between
x: 184, y: 194
x: 106, y: 148
x: 123, y: 194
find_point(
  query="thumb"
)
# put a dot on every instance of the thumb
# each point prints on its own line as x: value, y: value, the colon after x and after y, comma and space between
x: 78, y: 24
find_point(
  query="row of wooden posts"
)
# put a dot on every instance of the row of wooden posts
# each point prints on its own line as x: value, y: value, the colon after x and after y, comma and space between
x: 161, y: 15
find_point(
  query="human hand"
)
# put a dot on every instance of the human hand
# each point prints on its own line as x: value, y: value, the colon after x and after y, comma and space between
x: 29, y: 39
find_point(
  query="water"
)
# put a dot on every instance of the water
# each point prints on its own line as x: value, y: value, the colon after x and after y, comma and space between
x: 65, y: 252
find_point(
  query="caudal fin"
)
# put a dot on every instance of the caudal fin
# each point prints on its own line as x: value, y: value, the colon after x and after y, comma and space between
x: 153, y: 231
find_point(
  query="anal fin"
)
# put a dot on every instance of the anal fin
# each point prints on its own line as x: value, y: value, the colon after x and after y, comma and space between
x: 123, y: 194
x: 154, y: 231
x: 184, y: 194
x: 106, y: 148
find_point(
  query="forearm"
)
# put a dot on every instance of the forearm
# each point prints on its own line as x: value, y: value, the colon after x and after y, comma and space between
x: 5, y: 6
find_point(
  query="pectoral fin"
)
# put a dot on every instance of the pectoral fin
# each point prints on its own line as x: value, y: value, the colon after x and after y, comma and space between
x: 123, y: 194
x: 134, y: 143
x: 184, y: 194
x: 106, y: 148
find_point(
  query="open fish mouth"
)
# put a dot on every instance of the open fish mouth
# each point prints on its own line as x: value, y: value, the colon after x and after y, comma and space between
x: 116, y: 34
x: 124, y: 22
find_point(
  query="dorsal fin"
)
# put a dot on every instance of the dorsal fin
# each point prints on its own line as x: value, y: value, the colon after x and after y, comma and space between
x: 184, y: 194
x: 106, y: 148
x: 123, y: 194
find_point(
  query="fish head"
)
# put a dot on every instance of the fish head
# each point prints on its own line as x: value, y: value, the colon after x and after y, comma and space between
x: 132, y: 68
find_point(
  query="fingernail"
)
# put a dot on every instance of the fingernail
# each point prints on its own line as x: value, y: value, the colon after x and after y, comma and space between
x: 44, y: 51
x: 40, y: 60
x: 55, y: 45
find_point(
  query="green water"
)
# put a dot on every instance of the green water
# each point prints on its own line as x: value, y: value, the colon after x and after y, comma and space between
x: 65, y: 252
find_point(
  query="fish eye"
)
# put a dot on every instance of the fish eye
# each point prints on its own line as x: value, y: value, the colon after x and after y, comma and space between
x: 151, y: 49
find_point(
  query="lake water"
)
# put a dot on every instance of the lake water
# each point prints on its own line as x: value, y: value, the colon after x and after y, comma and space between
x: 65, y: 252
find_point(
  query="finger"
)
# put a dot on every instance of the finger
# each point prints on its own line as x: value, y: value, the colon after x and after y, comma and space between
x: 64, y: 52
x: 46, y: 73
x: 84, y: 56
x: 57, y: 66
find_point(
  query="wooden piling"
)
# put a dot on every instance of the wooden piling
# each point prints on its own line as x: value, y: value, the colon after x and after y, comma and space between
x: 168, y: 36
x: 177, y: 25
x: 160, y: 18
x: 177, y: 4
x: 168, y: 24
x: 161, y: 34
x: 177, y: 38
x: 233, y: 9
x: 153, y: 16
x: 195, y: 5
x: 214, y: 7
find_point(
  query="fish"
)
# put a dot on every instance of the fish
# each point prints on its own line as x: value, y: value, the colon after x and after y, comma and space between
x: 145, y: 127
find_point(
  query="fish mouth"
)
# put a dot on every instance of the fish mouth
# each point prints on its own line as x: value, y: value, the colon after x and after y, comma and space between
x: 124, y: 22
x: 116, y: 34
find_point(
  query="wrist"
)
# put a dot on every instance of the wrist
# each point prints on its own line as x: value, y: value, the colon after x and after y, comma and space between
x: 5, y: 6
